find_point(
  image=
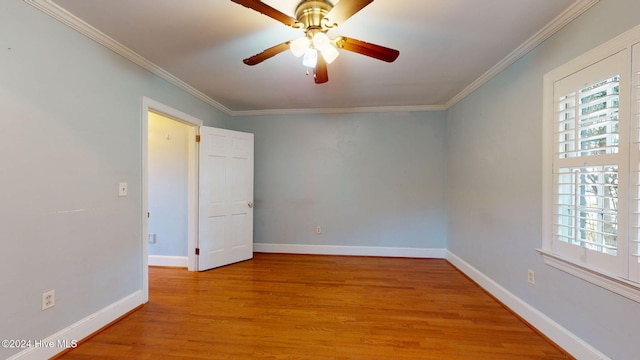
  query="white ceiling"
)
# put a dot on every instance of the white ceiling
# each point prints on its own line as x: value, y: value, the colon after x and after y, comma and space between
x: 445, y: 46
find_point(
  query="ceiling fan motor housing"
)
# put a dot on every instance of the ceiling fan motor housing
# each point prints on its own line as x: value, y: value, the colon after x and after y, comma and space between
x: 311, y: 12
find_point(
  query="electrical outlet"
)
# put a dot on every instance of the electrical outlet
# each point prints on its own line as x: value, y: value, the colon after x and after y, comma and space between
x: 48, y: 299
x: 151, y: 238
x: 318, y: 230
x: 531, y: 276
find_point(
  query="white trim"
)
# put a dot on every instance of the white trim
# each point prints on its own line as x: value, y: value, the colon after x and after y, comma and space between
x: 572, y: 12
x: 168, y: 111
x: 609, y: 48
x: 82, y: 328
x: 350, y: 250
x: 144, y: 197
x: 613, y: 283
x: 54, y: 10
x: 59, y: 13
x: 352, y: 110
x: 173, y: 261
x: 547, y: 160
x: 192, y: 216
x: 551, y: 329
x: 550, y: 250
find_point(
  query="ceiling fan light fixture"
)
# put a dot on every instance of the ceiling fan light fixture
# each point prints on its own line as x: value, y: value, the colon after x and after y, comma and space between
x: 329, y: 54
x: 299, y: 46
x: 310, y: 58
x: 321, y: 41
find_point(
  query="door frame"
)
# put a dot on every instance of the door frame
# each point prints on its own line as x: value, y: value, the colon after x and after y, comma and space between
x: 150, y: 105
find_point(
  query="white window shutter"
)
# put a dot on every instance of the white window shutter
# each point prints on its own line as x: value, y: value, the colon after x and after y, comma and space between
x: 589, y: 168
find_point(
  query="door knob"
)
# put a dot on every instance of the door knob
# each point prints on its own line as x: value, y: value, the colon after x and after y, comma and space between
x: 250, y: 204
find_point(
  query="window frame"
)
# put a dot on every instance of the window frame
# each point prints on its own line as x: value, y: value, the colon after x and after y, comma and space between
x: 627, y: 285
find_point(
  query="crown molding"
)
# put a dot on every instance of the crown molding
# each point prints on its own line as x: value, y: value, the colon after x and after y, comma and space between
x: 52, y: 9
x: 560, y: 21
x: 369, y: 109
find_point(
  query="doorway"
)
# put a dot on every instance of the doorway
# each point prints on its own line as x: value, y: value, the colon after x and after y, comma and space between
x: 150, y: 108
x: 167, y: 169
x: 219, y: 191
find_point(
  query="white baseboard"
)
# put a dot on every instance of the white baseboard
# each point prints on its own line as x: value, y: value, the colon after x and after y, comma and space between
x: 71, y: 335
x: 551, y: 329
x: 350, y: 250
x: 173, y: 261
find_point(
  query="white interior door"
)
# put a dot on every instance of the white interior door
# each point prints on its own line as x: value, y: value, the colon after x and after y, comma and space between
x: 225, y: 216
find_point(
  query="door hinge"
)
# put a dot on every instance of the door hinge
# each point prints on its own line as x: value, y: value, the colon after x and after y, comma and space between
x: 197, y: 138
x: 197, y: 251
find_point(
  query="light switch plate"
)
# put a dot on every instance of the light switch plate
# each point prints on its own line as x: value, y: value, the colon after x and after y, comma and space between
x: 123, y: 189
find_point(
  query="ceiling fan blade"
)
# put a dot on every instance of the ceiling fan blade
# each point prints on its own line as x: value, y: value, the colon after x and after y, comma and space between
x: 321, y: 75
x: 367, y: 49
x: 267, y: 10
x: 270, y: 52
x: 343, y: 10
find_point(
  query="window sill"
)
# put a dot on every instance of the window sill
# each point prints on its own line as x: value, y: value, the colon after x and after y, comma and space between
x: 622, y: 287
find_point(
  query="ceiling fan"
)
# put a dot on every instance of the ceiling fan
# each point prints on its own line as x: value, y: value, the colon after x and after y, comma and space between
x: 315, y: 18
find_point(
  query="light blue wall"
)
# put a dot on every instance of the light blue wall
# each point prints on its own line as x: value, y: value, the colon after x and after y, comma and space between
x: 167, y: 184
x: 495, y: 187
x: 70, y: 114
x: 366, y: 179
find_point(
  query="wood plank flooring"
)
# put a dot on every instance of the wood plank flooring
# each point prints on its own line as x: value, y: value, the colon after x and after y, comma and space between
x: 318, y: 307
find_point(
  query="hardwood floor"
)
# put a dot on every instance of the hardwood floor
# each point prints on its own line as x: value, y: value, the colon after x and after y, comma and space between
x: 318, y: 307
